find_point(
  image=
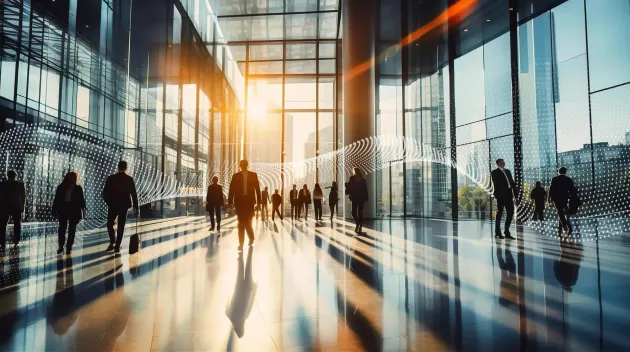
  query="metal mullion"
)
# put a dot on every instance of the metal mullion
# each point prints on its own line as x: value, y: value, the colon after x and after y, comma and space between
x: 317, y: 100
x: 246, y: 100
x: 283, y: 115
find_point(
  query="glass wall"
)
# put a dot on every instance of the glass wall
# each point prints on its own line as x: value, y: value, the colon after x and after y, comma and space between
x: 456, y: 88
x: 143, y: 75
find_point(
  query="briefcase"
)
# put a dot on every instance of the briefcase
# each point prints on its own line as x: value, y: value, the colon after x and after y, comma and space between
x: 134, y: 240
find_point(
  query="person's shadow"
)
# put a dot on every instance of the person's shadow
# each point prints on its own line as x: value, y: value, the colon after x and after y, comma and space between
x: 240, y: 305
x: 10, y: 277
x: 508, y: 287
x: 60, y: 314
x: 567, y: 267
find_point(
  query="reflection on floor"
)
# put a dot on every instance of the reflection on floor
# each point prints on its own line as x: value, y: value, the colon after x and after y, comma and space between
x: 402, y: 285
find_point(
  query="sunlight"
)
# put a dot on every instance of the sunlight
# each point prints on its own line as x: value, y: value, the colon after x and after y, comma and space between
x: 257, y: 108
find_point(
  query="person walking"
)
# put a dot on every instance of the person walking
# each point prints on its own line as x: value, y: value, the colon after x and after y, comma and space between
x: 12, y: 205
x: 244, y: 195
x: 357, y: 190
x: 561, y: 191
x: 276, y: 202
x: 295, y: 206
x: 538, y: 195
x: 333, y: 198
x: 304, y: 200
x: 120, y: 195
x: 265, y: 201
x: 69, y: 208
x: 318, y: 199
x: 214, y: 203
x: 504, y: 193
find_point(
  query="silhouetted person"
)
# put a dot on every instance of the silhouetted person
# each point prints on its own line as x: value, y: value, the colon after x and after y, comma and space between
x: 295, y: 207
x: 120, y: 195
x: 539, y: 196
x: 333, y: 198
x: 561, y: 190
x: 69, y: 208
x: 318, y: 199
x: 276, y: 202
x: 12, y: 205
x: 304, y: 199
x: 214, y: 203
x: 244, y: 195
x: 357, y: 190
x: 504, y: 192
x: 264, y: 210
x: 242, y: 301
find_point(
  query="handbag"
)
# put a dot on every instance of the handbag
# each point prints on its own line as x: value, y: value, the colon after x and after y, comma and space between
x: 134, y: 240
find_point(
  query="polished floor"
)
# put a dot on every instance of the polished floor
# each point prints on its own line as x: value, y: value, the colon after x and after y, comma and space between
x: 402, y: 285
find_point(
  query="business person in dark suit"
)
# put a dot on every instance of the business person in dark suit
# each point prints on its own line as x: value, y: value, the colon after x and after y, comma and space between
x: 214, y: 203
x: 304, y: 199
x: 244, y: 195
x: 295, y: 207
x: 561, y: 190
x: 69, y: 208
x: 357, y: 190
x: 119, y: 195
x: 539, y: 196
x: 504, y: 193
x: 12, y: 205
x: 276, y: 202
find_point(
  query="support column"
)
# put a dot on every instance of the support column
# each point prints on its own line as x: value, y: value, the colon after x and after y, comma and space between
x: 359, y: 86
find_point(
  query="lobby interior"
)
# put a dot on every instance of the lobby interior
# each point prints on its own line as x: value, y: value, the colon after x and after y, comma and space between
x: 421, y: 96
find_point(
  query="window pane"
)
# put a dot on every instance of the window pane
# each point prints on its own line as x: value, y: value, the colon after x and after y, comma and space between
x: 270, y: 67
x: 264, y: 140
x: 326, y: 146
x: 300, y: 145
x: 327, y: 50
x: 326, y: 93
x: 469, y: 88
x: 300, y: 67
x: 472, y: 132
x: 327, y: 66
x: 265, y: 52
x: 301, y: 26
x: 301, y: 51
x: 497, y: 75
x: 328, y: 25
x: 300, y: 93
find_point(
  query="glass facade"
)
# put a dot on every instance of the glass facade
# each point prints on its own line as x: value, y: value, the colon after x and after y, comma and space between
x: 541, y: 84
x: 147, y: 76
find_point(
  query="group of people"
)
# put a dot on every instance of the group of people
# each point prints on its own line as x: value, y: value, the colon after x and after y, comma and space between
x: 246, y: 198
x: 69, y: 207
x: 562, y: 194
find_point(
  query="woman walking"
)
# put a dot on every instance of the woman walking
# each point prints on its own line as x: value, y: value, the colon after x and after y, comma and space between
x: 69, y: 208
x: 305, y: 199
x: 333, y: 198
x: 318, y: 199
x: 357, y: 189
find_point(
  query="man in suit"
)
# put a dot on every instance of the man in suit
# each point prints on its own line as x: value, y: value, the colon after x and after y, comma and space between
x: 12, y: 204
x: 264, y: 210
x: 214, y: 202
x: 295, y: 206
x: 244, y: 195
x: 504, y: 193
x: 120, y: 195
x: 276, y: 202
x: 561, y: 190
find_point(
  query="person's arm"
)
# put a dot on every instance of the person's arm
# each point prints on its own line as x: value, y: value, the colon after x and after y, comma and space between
x: 209, y: 197
x: 23, y: 197
x: 257, y: 188
x: 134, y: 195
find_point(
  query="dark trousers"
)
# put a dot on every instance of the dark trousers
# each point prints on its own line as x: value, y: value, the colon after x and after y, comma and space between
x: 357, y: 213
x: 305, y: 205
x: 215, y: 211
x: 563, y: 218
x: 539, y: 213
x: 66, y: 224
x: 317, y: 205
x: 508, y: 204
x: 264, y: 211
x: 276, y: 210
x: 17, y: 226
x: 295, y: 210
x: 112, y: 215
x: 245, y: 225
x: 332, y: 207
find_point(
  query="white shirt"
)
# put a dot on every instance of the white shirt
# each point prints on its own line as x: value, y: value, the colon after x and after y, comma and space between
x: 244, y: 182
x: 506, y: 177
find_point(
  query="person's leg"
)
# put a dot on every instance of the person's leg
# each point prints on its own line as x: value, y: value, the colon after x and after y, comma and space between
x: 61, y: 234
x: 111, y: 220
x: 509, y: 210
x: 278, y: 211
x: 355, y: 210
x: 241, y: 230
x: 17, y: 227
x: 72, y: 229
x: 4, y: 222
x: 211, y: 214
x: 217, y: 214
x: 498, y: 218
x: 360, y: 215
x: 305, y: 211
x: 122, y: 220
x: 250, y: 229
x: 562, y: 218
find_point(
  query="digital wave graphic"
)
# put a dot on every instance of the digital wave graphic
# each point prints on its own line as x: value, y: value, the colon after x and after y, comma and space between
x: 45, y: 152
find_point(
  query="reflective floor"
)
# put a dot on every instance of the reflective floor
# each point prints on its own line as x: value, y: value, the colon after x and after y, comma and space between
x: 402, y: 285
